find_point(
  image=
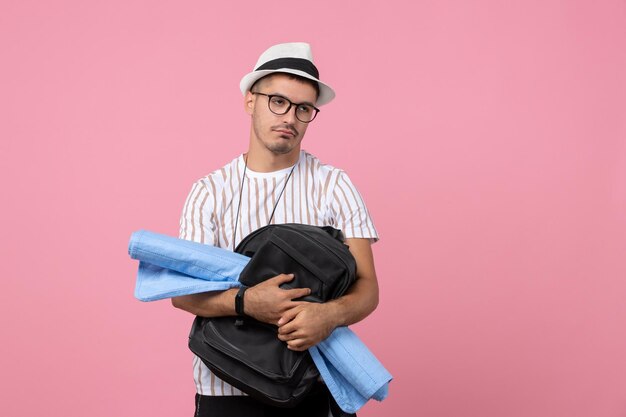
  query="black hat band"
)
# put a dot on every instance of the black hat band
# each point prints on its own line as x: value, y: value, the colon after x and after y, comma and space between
x: 299, y: 64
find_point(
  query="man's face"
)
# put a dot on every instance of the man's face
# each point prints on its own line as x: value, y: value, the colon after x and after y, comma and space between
x: 280, y: 134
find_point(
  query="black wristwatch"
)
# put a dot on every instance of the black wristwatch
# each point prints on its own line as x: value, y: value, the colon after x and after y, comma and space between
x: 239, y: 301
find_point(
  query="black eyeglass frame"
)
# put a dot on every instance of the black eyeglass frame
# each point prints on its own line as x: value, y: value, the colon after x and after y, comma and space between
x: 291, y: 104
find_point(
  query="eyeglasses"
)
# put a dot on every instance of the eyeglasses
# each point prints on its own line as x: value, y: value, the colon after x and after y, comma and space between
x: 281, y: 105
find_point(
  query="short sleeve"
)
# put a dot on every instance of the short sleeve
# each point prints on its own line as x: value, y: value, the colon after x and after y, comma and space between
x: 349, y: 211
x: 197, y: 222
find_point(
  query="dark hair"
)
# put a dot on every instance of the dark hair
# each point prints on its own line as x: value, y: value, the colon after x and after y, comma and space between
x: 308, y: 81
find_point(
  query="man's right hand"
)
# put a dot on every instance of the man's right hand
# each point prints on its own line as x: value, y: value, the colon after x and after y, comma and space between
x: 267, y: 302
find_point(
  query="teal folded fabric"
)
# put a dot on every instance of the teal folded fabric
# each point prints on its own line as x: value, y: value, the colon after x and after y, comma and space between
x: 171, y: 267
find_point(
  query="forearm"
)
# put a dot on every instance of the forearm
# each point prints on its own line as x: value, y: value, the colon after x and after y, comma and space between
x: 265, y: 302
x: 359, y: 302
x: 362, y: 297
x: 208, y: 304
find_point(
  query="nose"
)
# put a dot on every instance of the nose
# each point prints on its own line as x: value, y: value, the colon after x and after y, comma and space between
x: 290, y: 116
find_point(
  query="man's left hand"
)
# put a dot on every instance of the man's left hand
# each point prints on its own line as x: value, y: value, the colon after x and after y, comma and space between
x: 306, y: 325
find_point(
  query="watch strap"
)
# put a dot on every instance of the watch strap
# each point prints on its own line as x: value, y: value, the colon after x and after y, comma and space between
x: 239, y: 301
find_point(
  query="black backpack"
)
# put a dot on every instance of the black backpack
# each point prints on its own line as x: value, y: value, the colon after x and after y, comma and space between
x: 248, y: 355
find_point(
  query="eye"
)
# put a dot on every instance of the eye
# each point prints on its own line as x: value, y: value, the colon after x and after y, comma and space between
x: 279, y: 101
x: 304, y: 109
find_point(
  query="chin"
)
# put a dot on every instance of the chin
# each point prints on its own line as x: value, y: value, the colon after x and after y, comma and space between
x: 280, y: 149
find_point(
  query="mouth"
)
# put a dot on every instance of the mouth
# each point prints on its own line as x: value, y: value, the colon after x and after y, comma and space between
x: 284, y: 132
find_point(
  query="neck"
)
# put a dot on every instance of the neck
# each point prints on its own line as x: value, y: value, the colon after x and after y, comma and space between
x: 264, y: 160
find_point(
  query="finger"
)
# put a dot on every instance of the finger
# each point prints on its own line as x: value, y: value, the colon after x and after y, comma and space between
x: 289, y: 315
x: 289, y: 305
x: 289, y: 336
x: 287, y: 320
x: 297, y: 344
x: 298, y: 292
x: 287, y: 327
x: 280, y: 279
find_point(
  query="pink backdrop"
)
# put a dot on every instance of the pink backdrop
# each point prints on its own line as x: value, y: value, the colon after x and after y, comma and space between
x: 487, y: 137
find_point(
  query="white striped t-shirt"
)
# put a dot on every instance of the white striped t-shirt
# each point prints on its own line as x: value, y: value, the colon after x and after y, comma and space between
x: 316, y: 194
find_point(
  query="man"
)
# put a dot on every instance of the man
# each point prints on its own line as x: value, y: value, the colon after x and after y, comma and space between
x: 277, y: 182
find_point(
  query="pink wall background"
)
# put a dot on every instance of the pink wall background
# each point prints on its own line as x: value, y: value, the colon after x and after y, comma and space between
x: 487, y: 137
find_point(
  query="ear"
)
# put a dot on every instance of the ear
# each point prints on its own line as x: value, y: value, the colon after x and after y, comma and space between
x: 248, y: 103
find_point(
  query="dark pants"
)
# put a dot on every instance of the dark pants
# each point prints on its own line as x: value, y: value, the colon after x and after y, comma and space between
x: 315, y: 405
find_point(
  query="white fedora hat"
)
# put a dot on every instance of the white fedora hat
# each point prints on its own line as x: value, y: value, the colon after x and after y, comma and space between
x: 293, y: 58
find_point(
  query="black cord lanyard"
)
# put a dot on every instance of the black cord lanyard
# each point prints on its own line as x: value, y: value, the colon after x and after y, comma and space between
x: 241, y: 194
